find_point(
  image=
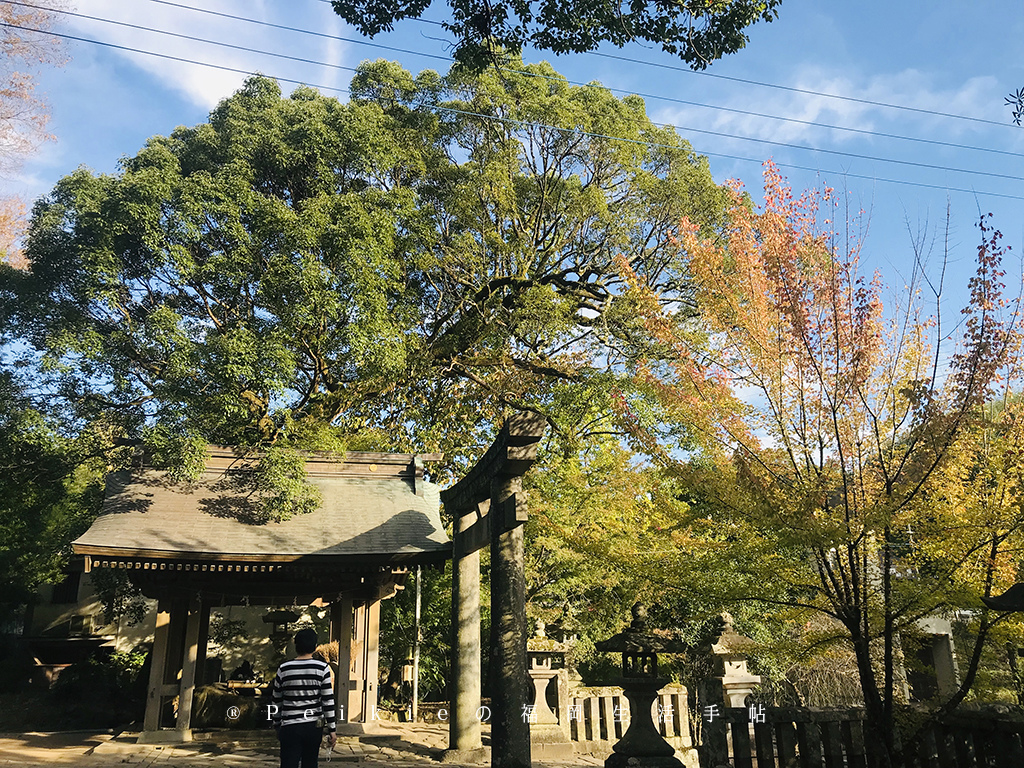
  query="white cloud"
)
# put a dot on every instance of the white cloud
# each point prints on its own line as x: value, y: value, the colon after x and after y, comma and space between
x: 206, y: 86
x: 973, y: 97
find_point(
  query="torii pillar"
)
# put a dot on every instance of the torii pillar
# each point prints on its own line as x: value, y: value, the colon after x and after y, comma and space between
x: 489, y: 508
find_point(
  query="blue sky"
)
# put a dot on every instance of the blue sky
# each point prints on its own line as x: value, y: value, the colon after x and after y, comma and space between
x: 934, y: 57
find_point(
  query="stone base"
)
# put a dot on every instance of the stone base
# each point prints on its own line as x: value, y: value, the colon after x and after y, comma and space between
x: 168, y: 736
x: 548, y: 742
x: 357, y: 729
x: 558, y: 752
x: 616, y: 760
x: 478, y: 755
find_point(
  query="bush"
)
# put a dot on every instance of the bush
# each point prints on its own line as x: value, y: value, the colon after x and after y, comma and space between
x: 103, y: 691
x: 16, y: 669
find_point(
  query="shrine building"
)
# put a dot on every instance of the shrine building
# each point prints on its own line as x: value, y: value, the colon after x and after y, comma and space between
x: 200, y: 545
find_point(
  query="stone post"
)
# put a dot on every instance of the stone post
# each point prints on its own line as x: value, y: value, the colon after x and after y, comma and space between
x: 510, y: 733
x: 464, y: 730
x: 371, y: 664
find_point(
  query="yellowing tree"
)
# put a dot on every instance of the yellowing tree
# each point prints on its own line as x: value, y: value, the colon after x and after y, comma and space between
x: 23, y: 113
x: 832, y: 424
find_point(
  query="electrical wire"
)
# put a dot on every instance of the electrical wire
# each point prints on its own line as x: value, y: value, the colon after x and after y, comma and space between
x: 507, y: 120
x: 284, y: 27
x: 745, y: 81
x: 685, y: 129
x: 805, y: 91
x: 647, y: 96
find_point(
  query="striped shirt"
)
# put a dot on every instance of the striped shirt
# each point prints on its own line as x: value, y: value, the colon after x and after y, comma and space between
x: 302, y: 693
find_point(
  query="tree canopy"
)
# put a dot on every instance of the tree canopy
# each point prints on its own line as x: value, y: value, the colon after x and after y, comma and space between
x: 844, y: 460
x: 393, y: 273
x: 695, y: 31
x: 401, y: 271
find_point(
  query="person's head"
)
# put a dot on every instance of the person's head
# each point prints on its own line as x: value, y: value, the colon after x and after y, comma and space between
x: 305, y: 641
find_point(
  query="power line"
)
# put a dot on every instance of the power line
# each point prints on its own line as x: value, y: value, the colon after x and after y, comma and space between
x: 194, y: 39
x: 521, y: 123
x: 745, y: 81
x: 690, y: 129
x: 685, y: 102
x: 233, y: 17
x: 805, y: 91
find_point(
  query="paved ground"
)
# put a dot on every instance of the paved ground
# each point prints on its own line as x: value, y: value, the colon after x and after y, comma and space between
x: 397, y: 745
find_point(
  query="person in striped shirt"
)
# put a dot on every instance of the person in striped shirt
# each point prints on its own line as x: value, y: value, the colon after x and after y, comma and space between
x: 302, y: 695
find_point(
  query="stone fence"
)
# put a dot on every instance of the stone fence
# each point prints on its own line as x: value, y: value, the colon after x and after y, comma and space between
x: 598, y: 717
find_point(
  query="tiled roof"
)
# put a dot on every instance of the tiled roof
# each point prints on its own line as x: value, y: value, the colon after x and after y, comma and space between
x: 361, y: 517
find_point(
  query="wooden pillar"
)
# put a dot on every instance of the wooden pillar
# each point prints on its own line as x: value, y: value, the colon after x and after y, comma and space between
x: 157, y: 667
x: 188, y: 670
x: 464, y: 730
x: 341, y: 633
x: 371, y: 659
x: 204, y: 641
x: 510, y: 732
x: 357, y: 673
x: 175, y: 641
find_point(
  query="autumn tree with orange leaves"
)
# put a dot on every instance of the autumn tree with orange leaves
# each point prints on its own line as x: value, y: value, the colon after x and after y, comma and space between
x: 24, y: 114
x: 834, y: 431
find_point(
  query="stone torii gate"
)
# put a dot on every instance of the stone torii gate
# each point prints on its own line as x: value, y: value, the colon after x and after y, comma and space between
x: 489, y: 508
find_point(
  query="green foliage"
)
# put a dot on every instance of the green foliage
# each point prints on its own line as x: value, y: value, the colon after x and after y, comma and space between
x: 270, y: 487
x: 102, y: 691
x: 395, y: 273
x: 696, y: 32
x: 397, y: 627
x: 226, y: 632
x: 184, y: 456
x: 49, y: 490
x: 121, y: 599
x: 606, y: 530
x: 846, y: 476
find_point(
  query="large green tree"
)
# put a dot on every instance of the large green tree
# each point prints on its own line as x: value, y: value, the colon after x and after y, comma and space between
x: 394, y: 272
x: 696, y: 31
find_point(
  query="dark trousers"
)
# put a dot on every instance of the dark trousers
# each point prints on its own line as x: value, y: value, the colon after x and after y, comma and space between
x: 300, y: 743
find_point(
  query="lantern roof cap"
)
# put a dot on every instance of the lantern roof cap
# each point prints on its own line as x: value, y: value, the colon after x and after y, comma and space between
x: 541, y: 643
x: 281, y: 616
x: 729, y: 640
x: 1011, y: 600
x: 636, y: 638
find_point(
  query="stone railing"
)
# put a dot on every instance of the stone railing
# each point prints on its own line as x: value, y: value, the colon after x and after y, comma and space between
x: 599, y: 716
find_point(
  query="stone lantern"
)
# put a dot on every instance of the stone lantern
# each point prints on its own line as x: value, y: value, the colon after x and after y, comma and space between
x: 730, y: 658
x: 641, y: 746
x: 549, y: 739
x: 280, y: 620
